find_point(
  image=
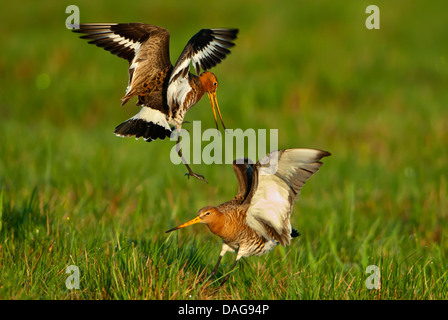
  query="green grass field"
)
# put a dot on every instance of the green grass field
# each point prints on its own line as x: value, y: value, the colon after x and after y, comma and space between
x: 74, y: 194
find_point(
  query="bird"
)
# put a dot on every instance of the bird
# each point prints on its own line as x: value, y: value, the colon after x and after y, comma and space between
x: 165, y: 92
x: 257, y: 219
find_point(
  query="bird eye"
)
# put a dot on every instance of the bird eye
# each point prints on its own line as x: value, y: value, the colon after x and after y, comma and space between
x: 215, y: 83
x: 207, y: 213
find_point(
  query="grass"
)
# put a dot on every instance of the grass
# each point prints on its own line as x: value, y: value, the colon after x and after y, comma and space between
x: 73, y: 194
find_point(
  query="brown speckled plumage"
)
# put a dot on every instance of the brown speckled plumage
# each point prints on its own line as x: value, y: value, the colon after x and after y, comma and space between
x: 258, y: 218
x: 165, y: 92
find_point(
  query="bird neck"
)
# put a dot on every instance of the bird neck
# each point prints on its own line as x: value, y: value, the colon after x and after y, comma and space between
x: 217, y: 226
x: 199, y: 84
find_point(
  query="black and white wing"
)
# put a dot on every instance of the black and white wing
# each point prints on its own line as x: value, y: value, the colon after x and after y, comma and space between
x: 145, y: 46
x: 204, y: 50
x: 121, y: 39
x: 277, y: 180
x: 243, y: 169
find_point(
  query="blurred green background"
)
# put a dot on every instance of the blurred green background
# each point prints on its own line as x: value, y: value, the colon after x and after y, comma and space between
x: 376, y: 99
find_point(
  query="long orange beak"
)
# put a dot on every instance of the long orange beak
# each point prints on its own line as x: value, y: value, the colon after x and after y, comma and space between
x: 214, y: 103
x: 186, y: 224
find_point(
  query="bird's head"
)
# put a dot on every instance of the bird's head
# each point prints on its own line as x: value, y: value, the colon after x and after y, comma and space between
x: 211, y: 216
x: 210, y: 85
x: 209, y: 82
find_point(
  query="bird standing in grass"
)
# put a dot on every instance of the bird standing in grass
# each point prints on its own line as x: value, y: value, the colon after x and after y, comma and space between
x: 258, y: 218
x: 165, y: 92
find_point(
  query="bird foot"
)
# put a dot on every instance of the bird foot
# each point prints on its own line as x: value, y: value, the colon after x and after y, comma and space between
x: 198, y: 176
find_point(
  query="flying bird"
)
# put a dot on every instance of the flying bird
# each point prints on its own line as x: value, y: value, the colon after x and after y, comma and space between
x: 165, y: 92
x: 257, y: 219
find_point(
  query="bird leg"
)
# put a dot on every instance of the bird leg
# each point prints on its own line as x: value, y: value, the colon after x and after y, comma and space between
x: 190, y: 172
x: 228, y: 274
x: 225, y: 248
x: 215, y: 270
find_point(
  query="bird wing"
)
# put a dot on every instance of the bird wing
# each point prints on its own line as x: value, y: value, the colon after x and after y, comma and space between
x: 277, y: 180
x: 205, y: 50
x: 145, y: 46
x: 243, y: 171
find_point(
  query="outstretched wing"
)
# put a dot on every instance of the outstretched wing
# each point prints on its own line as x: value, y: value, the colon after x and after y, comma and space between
x: 205, y: 50
x: 277, y: 181
x: 243, y: 171
x: 121, y: 39
x: 145, y: 46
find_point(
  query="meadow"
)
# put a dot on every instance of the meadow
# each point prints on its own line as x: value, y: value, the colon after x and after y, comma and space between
x: 71, y: 193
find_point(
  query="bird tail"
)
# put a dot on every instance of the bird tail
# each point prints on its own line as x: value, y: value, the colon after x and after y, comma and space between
x: 149, y: 124
x: 294, y: 233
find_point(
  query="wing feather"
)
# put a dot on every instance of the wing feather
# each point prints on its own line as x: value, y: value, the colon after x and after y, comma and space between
x: 243, y: 171
x: 144, y: 46
x: 124, y: 39
x: 278, y: 178
x: 204, y: 50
